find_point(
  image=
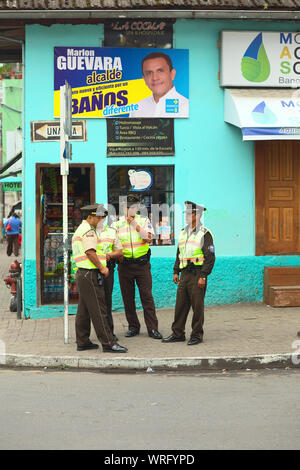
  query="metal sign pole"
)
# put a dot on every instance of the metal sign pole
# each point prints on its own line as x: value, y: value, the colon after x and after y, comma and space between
x: 65, y: 155
x: 66, y: 260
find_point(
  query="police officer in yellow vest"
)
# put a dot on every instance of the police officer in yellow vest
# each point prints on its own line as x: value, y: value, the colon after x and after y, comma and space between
x: 90, y: 284
x: 195, y: 260
x: 134, y: 233
x: 109, y: 249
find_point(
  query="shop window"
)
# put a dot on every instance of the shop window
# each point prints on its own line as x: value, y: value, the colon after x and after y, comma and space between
x: 49, y: 226
x: 155, y: 186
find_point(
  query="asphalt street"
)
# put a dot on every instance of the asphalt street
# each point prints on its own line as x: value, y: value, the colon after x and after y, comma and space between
x: 89, y: 410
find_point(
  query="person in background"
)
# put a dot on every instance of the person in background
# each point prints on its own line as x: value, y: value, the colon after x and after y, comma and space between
x: 3, y: 228
x: 13, y: 227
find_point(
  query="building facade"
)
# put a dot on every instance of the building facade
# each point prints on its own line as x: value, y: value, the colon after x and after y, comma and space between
x: 212, y: 165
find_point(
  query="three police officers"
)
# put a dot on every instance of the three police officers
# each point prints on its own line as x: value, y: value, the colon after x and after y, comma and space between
x: 194, y: 262
x: 90, y: 283
x: 127, y: 241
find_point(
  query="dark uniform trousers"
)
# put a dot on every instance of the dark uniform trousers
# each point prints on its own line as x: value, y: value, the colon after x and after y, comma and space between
x: 128, y: 274
x: 189, y: 295
x: 91, y: 307
x: 108, y: 287
x: 12, y: 244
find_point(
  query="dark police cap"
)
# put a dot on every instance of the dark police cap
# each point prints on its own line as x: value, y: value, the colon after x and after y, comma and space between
x: 133, y: 199
x: 192, y: 207
x: 95, y: 209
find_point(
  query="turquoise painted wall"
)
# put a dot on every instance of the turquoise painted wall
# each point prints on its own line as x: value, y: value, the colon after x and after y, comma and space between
x: 213, y: 165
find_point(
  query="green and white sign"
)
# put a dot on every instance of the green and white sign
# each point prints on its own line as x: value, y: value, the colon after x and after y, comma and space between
x: 12, y: 186
x: 260, y: 59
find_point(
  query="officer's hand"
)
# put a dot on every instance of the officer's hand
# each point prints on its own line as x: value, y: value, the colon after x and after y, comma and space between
x: 130, y: 219
x: 105, y: 271
x: 201, y: 282
x: 176, y: 279
x: 108, y: 257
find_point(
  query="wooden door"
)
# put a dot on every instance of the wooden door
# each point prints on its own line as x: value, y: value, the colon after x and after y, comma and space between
x: 277, y: 197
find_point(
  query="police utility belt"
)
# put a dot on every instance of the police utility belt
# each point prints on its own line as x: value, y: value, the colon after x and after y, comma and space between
x: 141, y: 260
x: 111, y: 264
x: 100, y: 276
x: 192, y: 268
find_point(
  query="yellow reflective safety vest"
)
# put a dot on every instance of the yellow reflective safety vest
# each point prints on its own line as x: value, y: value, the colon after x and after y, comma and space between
x: 106, y: 240
x: 73, y: 269
x: 133, y: 246
x: 79, y: 254
x: 190, y: 248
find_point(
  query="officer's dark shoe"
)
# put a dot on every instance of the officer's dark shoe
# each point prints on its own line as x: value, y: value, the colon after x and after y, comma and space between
x: 131, y: 332
x: 116, y: 348
x: 193, y: 340
x: 155, y: 334
x: 87, y: 346
x: 173, y: 339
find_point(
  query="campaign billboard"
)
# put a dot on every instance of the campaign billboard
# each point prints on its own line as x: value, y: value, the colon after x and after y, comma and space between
x: 127, y: 82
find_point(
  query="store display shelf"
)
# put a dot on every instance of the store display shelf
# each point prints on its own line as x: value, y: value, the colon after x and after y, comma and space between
x: 59, y: 233
x: 53, y: 302
x: 59, y: 203
x: 58, y: 216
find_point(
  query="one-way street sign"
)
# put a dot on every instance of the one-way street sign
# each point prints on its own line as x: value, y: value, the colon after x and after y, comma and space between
x: 49, y: 131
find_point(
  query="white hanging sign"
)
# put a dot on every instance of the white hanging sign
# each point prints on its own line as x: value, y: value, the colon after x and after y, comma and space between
x: 260, y: 59
x: 140, y: 180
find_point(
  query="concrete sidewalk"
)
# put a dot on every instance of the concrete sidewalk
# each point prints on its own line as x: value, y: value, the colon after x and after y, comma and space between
x: 236, y: 336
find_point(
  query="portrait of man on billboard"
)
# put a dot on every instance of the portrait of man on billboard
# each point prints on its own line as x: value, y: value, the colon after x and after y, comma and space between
x: 159, y: 74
